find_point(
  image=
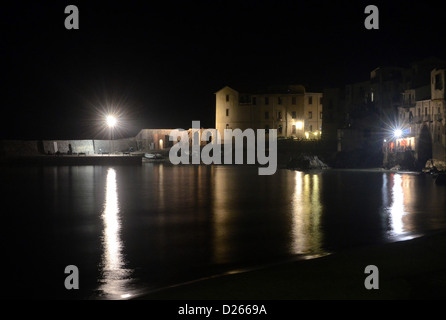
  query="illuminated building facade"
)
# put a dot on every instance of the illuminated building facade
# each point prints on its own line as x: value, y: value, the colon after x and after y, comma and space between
x: 291, y: 110
x: 421, y: 117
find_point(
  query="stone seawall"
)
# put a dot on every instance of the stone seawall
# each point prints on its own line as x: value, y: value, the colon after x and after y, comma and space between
x: 52, y: 160
x: 89, y: 147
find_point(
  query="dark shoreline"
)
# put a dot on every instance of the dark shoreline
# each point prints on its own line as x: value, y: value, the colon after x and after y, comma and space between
x: 410, y: 270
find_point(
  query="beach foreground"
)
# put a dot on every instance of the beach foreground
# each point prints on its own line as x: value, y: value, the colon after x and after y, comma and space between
x: 412, y: 269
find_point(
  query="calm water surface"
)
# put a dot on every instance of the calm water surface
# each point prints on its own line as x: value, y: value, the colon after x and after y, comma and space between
x: 130, y: 229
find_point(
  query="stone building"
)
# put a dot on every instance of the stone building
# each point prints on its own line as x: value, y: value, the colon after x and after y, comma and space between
x: 291, y: 110
x: 153, y: 139
x: 359, y: 115
x: 421, y: 121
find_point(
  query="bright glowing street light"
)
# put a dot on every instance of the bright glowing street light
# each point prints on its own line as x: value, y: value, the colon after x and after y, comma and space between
x: 397, y: 133
x: 111, y: 121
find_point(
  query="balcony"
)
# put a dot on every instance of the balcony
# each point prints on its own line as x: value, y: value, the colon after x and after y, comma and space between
x: 427, y: 118
x: 408, y: 104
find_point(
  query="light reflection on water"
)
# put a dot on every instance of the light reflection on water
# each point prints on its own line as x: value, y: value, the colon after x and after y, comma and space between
x: 125, y: 226
x: 231, y: 210
x: 399, y: 207
x: 306, y: 213
x: 114, y: 275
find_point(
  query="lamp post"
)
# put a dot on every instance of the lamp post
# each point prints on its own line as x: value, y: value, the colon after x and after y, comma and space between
x: 111, y: 122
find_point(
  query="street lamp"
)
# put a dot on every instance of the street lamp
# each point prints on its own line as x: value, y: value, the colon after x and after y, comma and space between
x: 111, y: 123
x: 397, y: 133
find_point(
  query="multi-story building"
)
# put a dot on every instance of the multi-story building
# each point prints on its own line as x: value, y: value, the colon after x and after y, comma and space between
x: 359, y: 115
x: 291, y: 110
x: 421, y: 121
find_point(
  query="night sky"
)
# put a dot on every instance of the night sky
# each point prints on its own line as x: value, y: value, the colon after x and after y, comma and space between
x: 159, y: 65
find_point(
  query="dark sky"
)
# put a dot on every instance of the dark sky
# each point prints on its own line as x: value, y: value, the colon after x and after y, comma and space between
x: 159, y: 65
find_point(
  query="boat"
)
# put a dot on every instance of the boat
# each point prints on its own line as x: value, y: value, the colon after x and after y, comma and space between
x: 153, y: 156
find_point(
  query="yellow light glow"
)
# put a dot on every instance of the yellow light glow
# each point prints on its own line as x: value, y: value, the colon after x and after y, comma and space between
x: 306, y: 212
x: 299, y: 125
x: 307, y: 135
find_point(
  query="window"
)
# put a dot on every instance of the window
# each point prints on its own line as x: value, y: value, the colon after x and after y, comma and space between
x: 419, y: 112
x: 279, y: 115
x: 227, y: 97
x: 310, y: 115
x: 266, y: 100
x: 279, y: 100
x: 280, y: 129
x: 310, y: 100
x: 293, y: 129
x: 320, y: 115
x: 438, y: 82
x: 311, y: 127
x: 227, y: 112
x: 266, y: 115
x: 254, y: 100
x: 293, y: 100
x: 245, y: 99
x: 293, y: 114
x: 425, y: 111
